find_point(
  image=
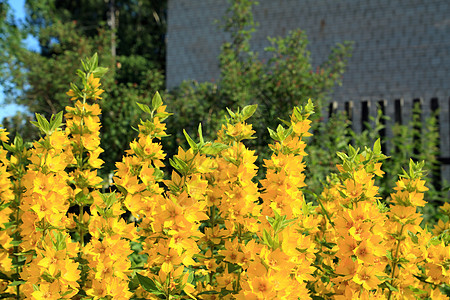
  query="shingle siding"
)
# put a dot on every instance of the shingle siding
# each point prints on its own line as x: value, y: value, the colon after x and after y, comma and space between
x: 401, y: 50
x: 401, y: 47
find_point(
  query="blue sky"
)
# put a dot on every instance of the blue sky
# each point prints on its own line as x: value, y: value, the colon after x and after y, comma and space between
x: 17, y: 7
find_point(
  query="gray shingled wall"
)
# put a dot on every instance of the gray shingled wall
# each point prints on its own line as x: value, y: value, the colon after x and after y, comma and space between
x: 402, y: 47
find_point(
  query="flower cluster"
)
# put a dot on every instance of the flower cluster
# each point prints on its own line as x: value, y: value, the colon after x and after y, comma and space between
x: 6, y: 196
x: 208, y: 229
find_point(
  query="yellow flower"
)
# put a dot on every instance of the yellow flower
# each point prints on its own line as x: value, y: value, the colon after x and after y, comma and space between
x: 365, y: 276
x: 263, y: 287
x: 70, y: 273
x: 50, y: 291
x: 302, y: 127
x: 169, y: 258
x: 364, y: 252
x: 92, y: 87
x: 97, y: 290
x: 90, y: 141
x: 347, y: 246
x: 441, y: 227
x: 4, y: 135
x: 378, y: 170
x: 71, y: 93
x: 52, y: 260
x: 353, y: 189
x: 232, y: 253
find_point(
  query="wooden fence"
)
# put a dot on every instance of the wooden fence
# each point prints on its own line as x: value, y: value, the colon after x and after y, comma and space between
x: 400, y: 111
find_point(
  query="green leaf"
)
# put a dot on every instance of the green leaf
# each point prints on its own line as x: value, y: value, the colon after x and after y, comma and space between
x: 435, y: 241
x: 156, y: 101
x: 179, y: 165
x: 309, y: 107
x: 276, y: 225
x: 190, y: 141
x: 75, y: 88
x: 297, y: 113
x: 80, y: 74
x: 4, y: 276
x: 55, y: 121
x: 377, y: 147
x: 43, y: 124
x: 248, y: 111
x: 15, y: 243
x: 85, y: 66
x: 200, y: 134
x: 267, y: 238
x: 273, y: 135
x: 108, y: 198
x: 403, y: 260
x: 233, y: 267
x: 342, y: 156
x: 147, y: 284
x: 190, y: 277
x: 209, y: 293
x: 280, y: 130
x: 100, y: 72
x: 93, y: 63
x: 158, y: 174
x: 213, y: 149
x: 288, y: 132
x: 384, y: 278
x: 144, y: 108
x: 414, y: 237
x: 17, y: 282
x: 285, y: 122
x: 122, y: 189
x: 8, y: 147
x: 232, y: 114
x: 390, y: 287
x: 389, y: 254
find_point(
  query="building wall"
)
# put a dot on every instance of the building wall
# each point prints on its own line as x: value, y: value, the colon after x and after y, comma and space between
x: 401, y: 50
x: 193, y: 40
x: 401, y: 46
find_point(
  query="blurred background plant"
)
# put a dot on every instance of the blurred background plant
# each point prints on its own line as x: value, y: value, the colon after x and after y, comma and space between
x: 129, y: 38
x: 417, y: 139
x: 285, y: 80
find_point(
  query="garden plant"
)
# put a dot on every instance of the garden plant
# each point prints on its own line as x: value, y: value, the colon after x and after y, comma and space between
x: 209, y: 229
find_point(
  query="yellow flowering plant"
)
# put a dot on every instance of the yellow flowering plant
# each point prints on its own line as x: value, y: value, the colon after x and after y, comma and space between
x: 208, y: 230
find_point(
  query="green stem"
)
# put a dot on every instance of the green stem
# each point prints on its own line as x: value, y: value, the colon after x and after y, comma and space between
x: 168, y: 285
x: 238, y: 282
x: 80, y: 224
x: 325, y: 211
x: 18, y: 189
x: 80, y: 167
x: 80, y: 160
x: 240, y: 241
x: 394, y: 261
x: 213, y: 223
x: 17, y: 234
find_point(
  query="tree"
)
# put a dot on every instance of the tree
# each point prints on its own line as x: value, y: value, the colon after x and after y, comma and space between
x: 286, y: 80
x: 129, y: 38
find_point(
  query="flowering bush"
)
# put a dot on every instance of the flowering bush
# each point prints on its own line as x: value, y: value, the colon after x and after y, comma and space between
x: 208, y: 230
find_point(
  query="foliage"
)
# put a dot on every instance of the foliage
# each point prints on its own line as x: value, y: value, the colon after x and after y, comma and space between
x: 132, y: 47
x: 207, y: 230
x: 418, y: 139
x: 281, y: 82
x: 275, y: 84
x: 331, y: 136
